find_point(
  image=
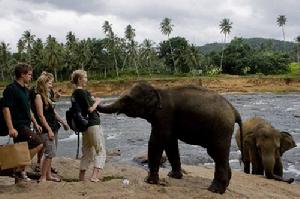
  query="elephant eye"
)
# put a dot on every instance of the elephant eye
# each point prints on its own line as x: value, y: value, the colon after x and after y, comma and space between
x: 127, y: 99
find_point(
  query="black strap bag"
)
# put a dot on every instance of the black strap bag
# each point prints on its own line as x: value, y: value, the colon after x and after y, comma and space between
x: 75, y: 119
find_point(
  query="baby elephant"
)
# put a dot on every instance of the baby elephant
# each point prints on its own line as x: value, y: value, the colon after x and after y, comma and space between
x: 263, y: 148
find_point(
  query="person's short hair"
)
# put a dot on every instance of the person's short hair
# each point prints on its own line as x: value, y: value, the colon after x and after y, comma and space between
x: 76, y: 75
x: 22, y: 68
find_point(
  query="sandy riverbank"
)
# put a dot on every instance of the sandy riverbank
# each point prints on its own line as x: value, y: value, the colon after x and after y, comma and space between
x: 219, y: 84
x: 195, y: 181
x: 193, y: 185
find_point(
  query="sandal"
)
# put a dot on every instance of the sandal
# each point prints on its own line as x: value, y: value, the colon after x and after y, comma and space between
x: 53, y: 170
x: 54, y: 179
x: 94, y: 180
x: 24, y: 176
x: 37, y: 169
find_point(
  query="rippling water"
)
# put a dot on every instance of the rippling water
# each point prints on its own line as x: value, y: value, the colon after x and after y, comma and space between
x: 131, y: 135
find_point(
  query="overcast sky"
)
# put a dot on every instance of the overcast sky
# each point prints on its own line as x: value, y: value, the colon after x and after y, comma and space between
x: 196, y: 20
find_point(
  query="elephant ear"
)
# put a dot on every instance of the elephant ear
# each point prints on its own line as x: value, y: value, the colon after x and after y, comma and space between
x: 286, y: 142
x: 147, y: 96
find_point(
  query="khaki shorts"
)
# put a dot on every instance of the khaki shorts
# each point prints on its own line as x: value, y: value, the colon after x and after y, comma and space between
x: 49, y: 146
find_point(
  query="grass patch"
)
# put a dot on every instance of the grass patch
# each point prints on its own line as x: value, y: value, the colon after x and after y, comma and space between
x: 70, y: 179
x: 108, y: 178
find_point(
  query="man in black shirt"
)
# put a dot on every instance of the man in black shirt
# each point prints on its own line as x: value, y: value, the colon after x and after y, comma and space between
x: 17, y: 113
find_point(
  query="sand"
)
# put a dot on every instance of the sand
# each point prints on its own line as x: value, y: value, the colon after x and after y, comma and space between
x: 112, y: 185
x: 196, y: 178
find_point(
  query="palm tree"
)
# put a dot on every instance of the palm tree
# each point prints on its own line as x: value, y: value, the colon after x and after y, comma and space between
x: 129, y: 35
x: 281, y: 20
x: 71, y: 47
x: 28, y: 40
x: 4, y: 58
x: 37, y: 55
x: 21, y: 47
x: 298, y: 48
x: 147, y: 52
x: 52, y: 54
x: 111, y: 45
x: 225, y: 26
x: 166, y: 28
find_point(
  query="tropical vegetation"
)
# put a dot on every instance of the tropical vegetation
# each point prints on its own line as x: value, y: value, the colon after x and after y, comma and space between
x: 114, y: 56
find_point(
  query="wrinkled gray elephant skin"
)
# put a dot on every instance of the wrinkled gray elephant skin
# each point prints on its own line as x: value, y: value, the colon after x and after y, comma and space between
x: 191, y: 114
x: 263, y: 147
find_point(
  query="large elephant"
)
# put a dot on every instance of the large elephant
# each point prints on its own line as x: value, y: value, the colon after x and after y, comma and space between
x: 191, y: 114
x: 263, y: 147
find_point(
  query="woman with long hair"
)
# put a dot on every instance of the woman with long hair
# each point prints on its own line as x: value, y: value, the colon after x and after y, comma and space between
x: 47, y: 117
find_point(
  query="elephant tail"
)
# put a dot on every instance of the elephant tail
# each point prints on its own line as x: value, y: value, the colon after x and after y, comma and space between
x: 238, y: 120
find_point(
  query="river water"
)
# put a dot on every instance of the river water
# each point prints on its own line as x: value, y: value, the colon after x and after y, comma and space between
x: 131, y: 135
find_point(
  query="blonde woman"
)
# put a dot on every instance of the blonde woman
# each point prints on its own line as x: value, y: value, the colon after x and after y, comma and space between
x: 93, y: 144
x: 47, y: 118
x: 54, y: 96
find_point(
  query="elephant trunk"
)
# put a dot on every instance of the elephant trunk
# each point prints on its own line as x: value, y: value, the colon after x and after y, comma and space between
x: 111, y: 108
x: 269, y: 163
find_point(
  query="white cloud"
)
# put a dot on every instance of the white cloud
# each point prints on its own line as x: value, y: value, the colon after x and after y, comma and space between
x: 196, y: 20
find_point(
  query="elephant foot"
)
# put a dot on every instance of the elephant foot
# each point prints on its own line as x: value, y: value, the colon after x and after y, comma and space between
x: 217, y: 187
x: 175, y: 174
x: 290, y: 180
x: 152, y: 179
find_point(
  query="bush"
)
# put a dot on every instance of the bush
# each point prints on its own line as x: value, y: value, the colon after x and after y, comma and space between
x: 294, y: 68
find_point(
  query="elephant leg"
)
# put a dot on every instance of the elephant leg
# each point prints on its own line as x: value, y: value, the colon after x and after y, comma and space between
x: 155, y: 150
x: 256, y: 162
x: 278, y: 168
x: 172, y: 152
x: 229, y: 174
x: 246, y: 162
x: 221, y: 174
x: 247, y: 166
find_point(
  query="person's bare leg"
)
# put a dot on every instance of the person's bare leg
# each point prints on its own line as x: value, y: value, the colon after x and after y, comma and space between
x: 39, y: 160
x: 95, y: 174
x: 81, y: 175
x: 46, y: 165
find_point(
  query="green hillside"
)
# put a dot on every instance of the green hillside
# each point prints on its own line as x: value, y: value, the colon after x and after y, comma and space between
x: 256, y: 43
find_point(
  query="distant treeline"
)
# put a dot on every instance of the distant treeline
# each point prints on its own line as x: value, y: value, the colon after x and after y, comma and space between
x: 113, y: 57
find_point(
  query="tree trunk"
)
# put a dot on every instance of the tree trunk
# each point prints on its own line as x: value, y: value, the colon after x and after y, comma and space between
x: 116, y: 65
x: 221, y: 62
x: 124, y: 62
x: 283, y: 38
x: 298, y: 54
x: 55, y: 74
x: 172, y: 54
x: 2, y: 73
x: 136, y: 67
x: 283, y: 33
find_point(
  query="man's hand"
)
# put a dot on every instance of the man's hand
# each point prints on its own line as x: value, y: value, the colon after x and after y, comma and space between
x: 38, y: 128
x: 50, y: 134
x: 13, y: 132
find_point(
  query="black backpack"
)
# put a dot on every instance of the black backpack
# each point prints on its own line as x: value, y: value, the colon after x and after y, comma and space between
x: 75, y: 119
x: 3, y: 127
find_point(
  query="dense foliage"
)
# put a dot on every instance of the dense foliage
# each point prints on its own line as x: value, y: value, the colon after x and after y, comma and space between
x: 113, y: 56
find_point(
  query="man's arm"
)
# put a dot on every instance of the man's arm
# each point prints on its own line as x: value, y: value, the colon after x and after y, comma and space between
x: 7, y: 116
x: 36, y: 125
